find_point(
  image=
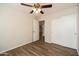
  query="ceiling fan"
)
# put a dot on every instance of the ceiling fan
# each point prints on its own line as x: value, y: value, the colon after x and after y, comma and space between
x: 37, y: 7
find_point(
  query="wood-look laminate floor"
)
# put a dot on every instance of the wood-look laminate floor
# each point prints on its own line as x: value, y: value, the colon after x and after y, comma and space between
x: 42, y: 49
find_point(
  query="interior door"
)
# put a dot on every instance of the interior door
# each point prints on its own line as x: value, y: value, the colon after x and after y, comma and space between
x: 35, y: 30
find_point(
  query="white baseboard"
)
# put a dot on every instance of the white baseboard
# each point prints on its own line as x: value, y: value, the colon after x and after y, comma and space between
x: 14, y: 47
x: 48, y: 41
x: 78, y: 52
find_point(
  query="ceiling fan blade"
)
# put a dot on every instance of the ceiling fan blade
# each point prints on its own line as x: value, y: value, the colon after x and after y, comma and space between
x: 41, y: 12
x: 31, y: 11
x: 26, y: 5
x: 46, y: 6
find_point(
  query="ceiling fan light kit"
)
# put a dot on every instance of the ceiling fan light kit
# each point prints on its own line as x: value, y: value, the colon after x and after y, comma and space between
x: 36, y: 12
x: 37, y: 8
x: 34, y: 9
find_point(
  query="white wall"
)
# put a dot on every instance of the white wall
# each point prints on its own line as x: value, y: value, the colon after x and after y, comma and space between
x: 15, y: 27
x: 78, y: 29
x: 61, y: 27
x: 64, y: 31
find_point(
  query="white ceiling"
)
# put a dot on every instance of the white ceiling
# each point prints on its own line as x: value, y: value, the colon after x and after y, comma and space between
x: 55, y: 7
x: 58, y: 7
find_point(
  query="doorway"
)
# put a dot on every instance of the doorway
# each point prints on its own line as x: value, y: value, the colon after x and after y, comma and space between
x: 41, y: 31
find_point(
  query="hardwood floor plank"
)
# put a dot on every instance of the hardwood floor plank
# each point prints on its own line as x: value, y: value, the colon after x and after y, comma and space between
x: 43, y: 49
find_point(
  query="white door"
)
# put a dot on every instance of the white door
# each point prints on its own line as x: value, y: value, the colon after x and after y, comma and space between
x: 35, y: 30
